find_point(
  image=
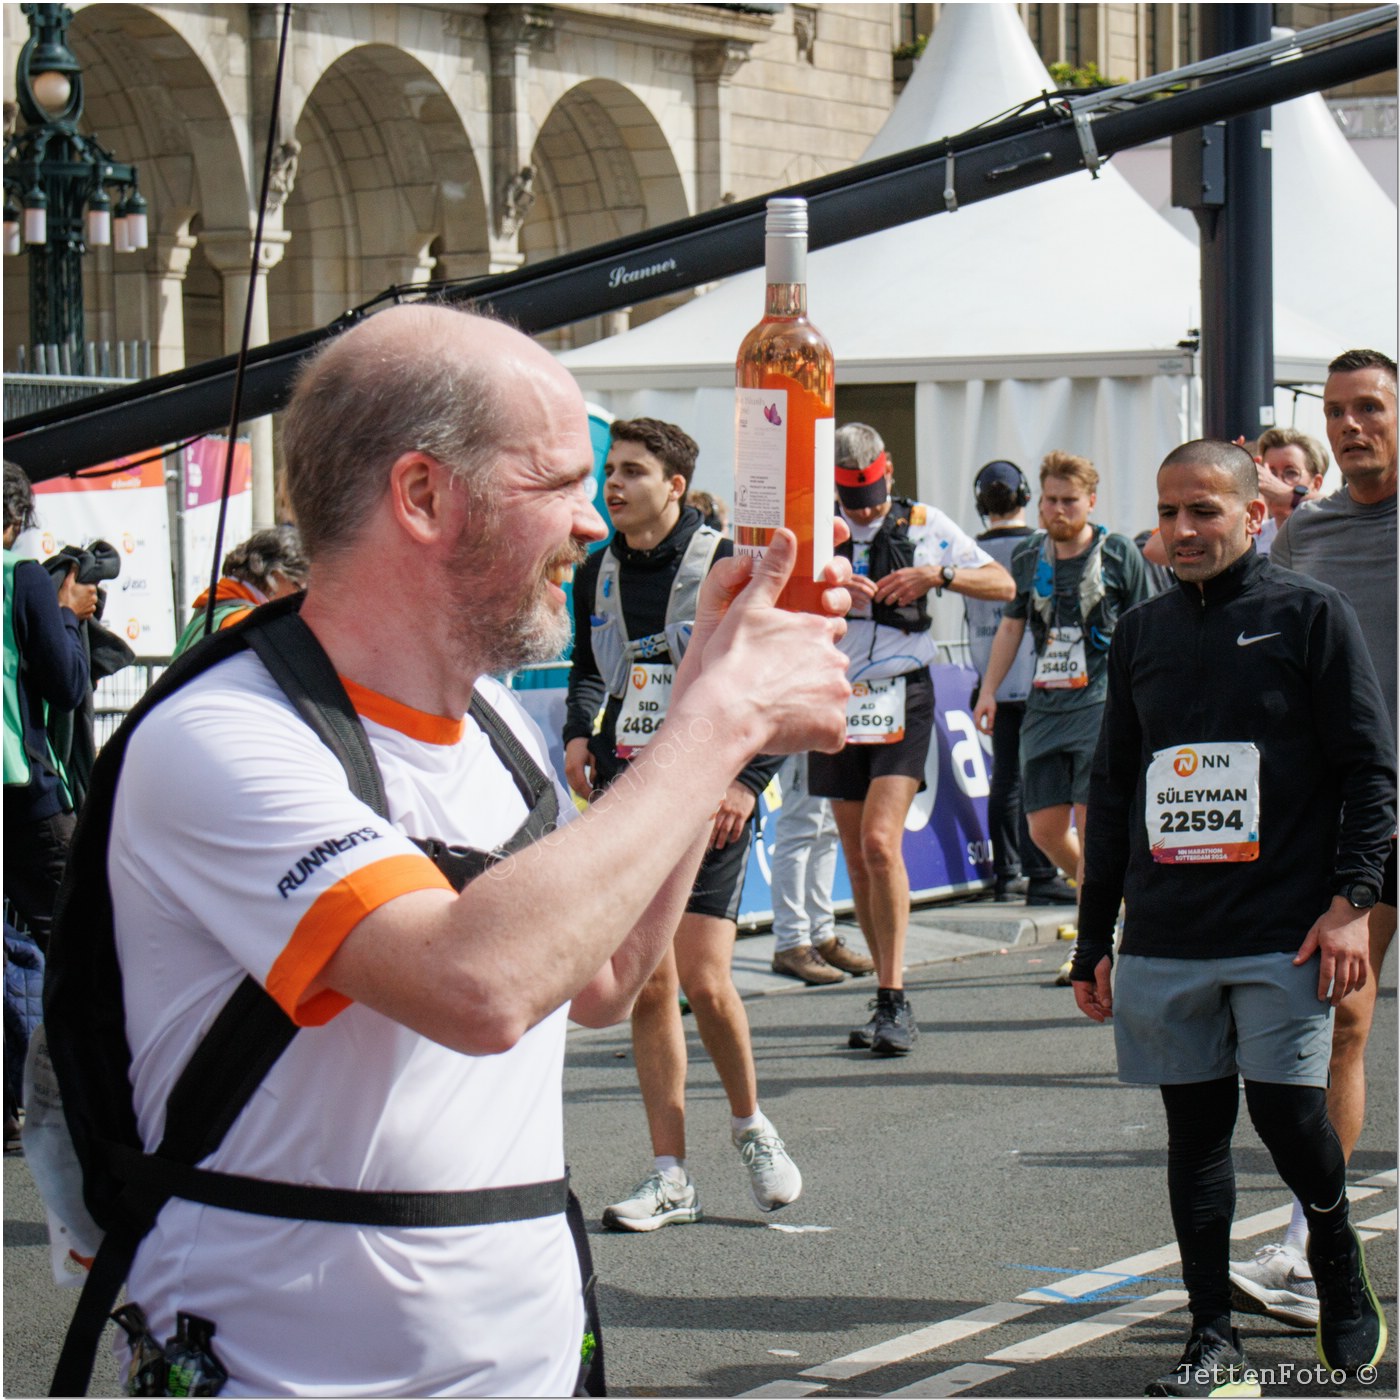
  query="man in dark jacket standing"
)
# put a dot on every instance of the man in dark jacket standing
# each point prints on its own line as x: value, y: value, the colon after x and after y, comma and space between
x: 1241, y: 803
x: 46, y: 664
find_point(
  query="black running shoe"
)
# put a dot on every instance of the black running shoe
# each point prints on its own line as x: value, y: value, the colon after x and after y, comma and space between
x: 861, y: 1037
x: 895, y: 1031
x: 1210, y: 1365
x: 1351, y: 1330
x: 1052, y: 891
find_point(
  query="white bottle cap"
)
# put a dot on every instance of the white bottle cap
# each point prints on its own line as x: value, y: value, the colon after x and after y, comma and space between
x: 786, y: 216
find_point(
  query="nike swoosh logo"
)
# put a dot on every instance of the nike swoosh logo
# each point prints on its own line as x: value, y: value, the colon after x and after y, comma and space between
x: 1243, y: 641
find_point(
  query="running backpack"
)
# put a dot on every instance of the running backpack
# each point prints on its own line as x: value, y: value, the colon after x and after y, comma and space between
x: 124, y: 1187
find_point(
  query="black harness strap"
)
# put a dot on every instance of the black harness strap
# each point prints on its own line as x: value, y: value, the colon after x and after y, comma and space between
x: 251, y: 1031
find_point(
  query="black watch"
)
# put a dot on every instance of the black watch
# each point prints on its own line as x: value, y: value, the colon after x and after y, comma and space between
x: 1300, y: 494
x: 948, y: 573
x: 1358, y: 894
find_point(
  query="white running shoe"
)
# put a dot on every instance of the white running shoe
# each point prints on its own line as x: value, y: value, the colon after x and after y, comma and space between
x: 1277, y: 1283
x: 773, y: 1175
x: 656, y: 1202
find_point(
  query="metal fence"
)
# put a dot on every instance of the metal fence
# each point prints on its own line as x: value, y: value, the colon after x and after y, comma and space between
x: 29, y: 393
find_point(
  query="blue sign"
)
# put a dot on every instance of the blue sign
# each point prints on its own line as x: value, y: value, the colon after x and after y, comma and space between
x: 946, y: 846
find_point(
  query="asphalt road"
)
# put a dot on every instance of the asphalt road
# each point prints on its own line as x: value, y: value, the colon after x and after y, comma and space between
x: 942, y: 1190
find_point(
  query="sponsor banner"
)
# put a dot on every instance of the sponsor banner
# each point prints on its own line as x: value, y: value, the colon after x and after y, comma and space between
x: 946, y: 846
x: 201, y: 484
x: 128, y: 509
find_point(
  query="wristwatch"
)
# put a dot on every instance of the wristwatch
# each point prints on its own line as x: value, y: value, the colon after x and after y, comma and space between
x: 1358, y: 894
x: 947, y: 573
x: 1300, y: 494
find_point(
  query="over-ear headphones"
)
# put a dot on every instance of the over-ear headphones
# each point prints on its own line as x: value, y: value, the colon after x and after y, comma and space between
x: 1006, y: 475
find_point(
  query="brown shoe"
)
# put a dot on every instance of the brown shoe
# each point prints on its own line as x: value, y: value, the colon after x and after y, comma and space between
x: 804, y: 964
x: 835, y: 952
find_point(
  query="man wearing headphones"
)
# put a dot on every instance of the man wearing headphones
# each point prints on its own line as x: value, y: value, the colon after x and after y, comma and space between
x: 1002, y: 494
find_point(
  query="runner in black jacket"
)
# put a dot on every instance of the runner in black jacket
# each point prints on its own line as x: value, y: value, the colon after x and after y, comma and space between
x: 1241, y: 802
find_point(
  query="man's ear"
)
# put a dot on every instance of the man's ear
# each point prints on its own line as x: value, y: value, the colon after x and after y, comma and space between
x: 420, y: 495
x: 678, y: 487
x: 1254, y: 512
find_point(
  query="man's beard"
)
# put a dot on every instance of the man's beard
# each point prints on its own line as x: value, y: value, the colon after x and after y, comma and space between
x: 497, y: 629
x: 1063, y: 530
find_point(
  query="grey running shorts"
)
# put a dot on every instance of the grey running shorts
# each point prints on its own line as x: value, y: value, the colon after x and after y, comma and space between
x: 1190, y: 1020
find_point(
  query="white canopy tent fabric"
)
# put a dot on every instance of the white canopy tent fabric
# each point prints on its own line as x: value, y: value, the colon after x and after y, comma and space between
x: 1334, y: 227
x: 1045, y: 318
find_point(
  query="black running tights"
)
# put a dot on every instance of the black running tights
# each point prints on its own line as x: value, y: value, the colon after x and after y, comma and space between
x: 1292, y: 1121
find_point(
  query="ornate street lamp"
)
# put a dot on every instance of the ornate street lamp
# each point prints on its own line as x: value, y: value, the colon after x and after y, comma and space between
x: 61, y: 187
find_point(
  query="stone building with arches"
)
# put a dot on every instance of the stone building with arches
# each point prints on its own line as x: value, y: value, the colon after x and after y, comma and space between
x: 429, y: 141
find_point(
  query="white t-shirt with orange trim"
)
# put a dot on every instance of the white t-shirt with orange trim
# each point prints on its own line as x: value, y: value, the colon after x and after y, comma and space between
x: 237, y: 848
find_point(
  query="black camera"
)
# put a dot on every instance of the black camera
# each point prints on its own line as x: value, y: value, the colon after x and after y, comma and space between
x: 98, y: 563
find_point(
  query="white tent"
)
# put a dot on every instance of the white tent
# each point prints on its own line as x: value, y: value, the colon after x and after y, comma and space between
x: 1045, y: 318
x: 1334, y: 227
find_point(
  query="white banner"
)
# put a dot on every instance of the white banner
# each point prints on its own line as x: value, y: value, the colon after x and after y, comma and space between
x: 127, y: 509
x: 201, y: 481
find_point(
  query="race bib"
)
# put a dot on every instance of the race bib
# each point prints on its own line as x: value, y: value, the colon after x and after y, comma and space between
x: 643, y: 706
x: 875, y: 712
x: 1203, y: 804
x: 1062, y: 665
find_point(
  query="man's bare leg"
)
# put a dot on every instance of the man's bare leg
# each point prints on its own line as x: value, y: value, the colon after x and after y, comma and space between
x: 1051, y: 830
x: 1351, y: 1028
x: 658, y: 1049
x: 872, y: 838
x: 704, y: 955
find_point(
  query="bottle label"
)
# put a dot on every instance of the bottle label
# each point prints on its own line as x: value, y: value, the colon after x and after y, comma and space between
x: 760, y: 460
x: 824, y: 493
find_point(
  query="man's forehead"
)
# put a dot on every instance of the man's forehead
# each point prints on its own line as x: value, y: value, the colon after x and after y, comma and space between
x: 1196, y: 480
x: 1358, y: 383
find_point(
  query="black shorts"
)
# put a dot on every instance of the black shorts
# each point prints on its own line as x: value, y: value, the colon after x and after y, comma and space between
x: 1388, y: 877
x: 847, y: 775
x: 719, y: 883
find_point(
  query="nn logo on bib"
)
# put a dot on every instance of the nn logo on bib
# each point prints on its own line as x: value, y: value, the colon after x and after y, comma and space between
x: 1188, y: 760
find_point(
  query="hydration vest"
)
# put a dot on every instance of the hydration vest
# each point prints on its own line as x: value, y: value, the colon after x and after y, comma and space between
x: 1097, y: 612
x: 892, y: 549
x: 124, y: 1186
x: 614, y: 652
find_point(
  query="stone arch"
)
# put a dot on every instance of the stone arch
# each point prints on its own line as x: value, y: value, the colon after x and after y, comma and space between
x: 152, y: 96
x: 604, y: 168
x: 385, y: 174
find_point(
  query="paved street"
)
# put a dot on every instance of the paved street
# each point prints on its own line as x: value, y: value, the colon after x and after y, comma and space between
x: 986, y: 1216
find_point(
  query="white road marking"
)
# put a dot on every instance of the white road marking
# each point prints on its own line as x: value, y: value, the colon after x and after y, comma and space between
x: 1381, y: 1179
x: 952, y: 1382
x: 1136, y: 1265
x: 783, y: 1390
x: 1091, y: 1329
x: 1384, y: 1221
x: 940, y: 1334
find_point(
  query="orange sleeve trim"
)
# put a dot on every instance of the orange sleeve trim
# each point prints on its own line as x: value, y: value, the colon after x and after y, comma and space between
x: 330, y: 920
x: 394, y: 714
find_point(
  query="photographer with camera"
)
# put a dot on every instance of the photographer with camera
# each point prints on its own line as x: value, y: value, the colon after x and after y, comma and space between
x: 46, y: 666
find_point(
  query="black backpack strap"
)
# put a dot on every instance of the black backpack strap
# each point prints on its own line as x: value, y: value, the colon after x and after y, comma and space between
x: 535, y: 786
x: 299, y: 664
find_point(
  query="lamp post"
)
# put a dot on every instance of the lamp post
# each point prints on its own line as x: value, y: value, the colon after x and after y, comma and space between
x: 61, y: 187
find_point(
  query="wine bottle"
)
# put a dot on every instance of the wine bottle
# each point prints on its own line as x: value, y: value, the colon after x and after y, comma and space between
x: 784, y: 417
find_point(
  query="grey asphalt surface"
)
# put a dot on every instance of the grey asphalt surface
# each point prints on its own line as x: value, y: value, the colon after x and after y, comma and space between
x: 1001, y: 1156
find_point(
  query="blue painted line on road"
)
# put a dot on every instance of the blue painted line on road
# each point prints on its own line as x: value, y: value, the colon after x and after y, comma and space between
x: 1119, y: 1281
